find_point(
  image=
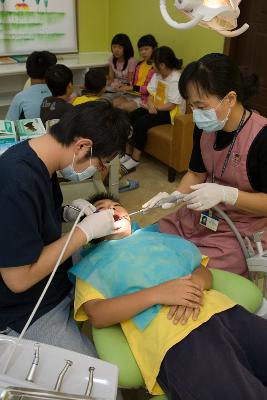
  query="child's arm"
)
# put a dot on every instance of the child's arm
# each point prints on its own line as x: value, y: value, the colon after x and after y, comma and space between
x: 131, y: 70
x: 103, y: 313
x: 202, y: 277
x: 130, y: 77
x: 110, y: 75
x: 166, y: 107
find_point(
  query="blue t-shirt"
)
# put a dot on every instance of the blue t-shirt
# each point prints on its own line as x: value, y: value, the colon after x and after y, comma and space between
x: 30, y: 204
x: 27, y: 103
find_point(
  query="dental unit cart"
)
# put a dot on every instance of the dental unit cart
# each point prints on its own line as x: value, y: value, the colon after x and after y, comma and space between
x: 44, y: 371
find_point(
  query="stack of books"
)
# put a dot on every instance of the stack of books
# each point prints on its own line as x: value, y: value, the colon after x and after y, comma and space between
x: 13, y: 132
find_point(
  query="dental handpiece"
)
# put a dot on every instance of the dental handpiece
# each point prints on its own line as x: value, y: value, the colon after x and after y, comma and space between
x: 172, y: 198
x: 79, y: 210
x: 61, y: 375
x: 31, y: 374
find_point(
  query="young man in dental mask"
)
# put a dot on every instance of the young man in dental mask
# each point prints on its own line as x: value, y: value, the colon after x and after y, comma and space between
x: 85, y: 139
x: 228, y: 165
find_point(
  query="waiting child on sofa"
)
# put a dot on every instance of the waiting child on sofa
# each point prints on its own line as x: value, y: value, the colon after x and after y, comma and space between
x: 189, y: 340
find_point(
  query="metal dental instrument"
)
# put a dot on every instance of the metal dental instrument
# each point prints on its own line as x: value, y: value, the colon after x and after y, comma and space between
x: 172, y: 198
x: 61, y: 375
x: 89, y: 388
x: 142, y: 211
x: 35, y: 362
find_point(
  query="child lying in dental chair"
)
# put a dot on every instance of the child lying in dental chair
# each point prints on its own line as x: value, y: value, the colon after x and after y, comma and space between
x: 189, y: 340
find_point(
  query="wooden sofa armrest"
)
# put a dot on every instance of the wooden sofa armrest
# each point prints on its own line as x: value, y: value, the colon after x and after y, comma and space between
x: 182, y: 144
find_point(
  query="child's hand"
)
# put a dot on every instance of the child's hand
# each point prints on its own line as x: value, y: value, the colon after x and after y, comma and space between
x: 152, y: 108
x: 179, y: 292
x: 182, y: 314
x: 126, y: 88
x: 144, y: 105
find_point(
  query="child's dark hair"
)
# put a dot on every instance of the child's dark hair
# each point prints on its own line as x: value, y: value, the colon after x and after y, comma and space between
x: 216, y: 74
x: 123, y: 40
x: 102, y: 196
x: 94, y: 81
x: 147, y: 40
x: 57, y: 78
x: 165, y: 55
x: 108, y: 127
x: 38, y: 62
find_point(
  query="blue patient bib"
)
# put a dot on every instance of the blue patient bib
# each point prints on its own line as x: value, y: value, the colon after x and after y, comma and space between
x: 139, y: 261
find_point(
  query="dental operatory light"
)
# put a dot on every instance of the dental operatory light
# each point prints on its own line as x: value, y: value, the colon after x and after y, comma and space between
x: 219, y: 15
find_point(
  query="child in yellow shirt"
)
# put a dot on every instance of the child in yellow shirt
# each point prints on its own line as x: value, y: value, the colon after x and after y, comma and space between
x: 94, y: 86
x: 202, y: 347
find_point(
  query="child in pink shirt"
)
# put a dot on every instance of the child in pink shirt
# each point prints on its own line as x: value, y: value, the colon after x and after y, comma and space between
x: 122, y: 63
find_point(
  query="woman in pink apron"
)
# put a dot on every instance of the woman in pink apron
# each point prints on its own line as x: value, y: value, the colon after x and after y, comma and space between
x: 228, y: 165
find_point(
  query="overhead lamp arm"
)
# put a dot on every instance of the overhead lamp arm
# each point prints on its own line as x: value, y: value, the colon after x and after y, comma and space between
x: 175, y: 24
x: 235, y: 32
x: 198, y: 16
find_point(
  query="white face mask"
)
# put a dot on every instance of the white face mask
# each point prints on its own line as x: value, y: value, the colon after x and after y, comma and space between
x: 208, y: 121
x: 70, y: 174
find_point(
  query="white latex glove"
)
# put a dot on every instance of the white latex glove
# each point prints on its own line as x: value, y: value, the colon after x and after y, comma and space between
x: 208, y: 195
x: 70, y: 215
x: 150, y: 203
x: 169, y: 205
x: 99, y: 224
x: 161, y: 195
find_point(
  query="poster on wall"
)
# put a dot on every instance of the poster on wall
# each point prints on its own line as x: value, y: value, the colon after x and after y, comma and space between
x: 28, y: 25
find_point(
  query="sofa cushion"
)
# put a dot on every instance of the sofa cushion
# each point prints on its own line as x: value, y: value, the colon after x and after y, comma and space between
x: 159, y: 142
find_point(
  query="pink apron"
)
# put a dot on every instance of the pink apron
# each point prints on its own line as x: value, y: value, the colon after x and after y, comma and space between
x: 222, y: 247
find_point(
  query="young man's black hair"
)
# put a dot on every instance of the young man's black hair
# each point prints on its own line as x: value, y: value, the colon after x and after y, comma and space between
x: 57, y: 78
x: 98, y: 121
x: 38, y: 62
x: 94, y: 81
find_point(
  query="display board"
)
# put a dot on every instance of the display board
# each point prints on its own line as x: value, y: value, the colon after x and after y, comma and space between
x: 28, y: 25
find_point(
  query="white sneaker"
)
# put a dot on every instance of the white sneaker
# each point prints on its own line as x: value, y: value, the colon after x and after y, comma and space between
x: 125, y: 158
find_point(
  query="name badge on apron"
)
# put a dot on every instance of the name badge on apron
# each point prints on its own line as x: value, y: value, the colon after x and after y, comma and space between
x: 207, y: 220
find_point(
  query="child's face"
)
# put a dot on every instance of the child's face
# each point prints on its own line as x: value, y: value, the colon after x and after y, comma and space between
x: 117, y: 50
x: 120, y: 214
x: 160, y: 69
x: 69, y: 89
x: 146, y: 52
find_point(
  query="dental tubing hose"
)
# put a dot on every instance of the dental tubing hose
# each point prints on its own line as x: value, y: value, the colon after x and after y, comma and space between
x: 13, y: 349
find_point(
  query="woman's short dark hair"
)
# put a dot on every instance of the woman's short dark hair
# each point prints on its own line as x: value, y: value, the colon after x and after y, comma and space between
x: 216, y: 74
x: 123, y: 40
x: 94, y: 80
x: 57, y: 78
x: 165, y: 55
x: 147, y: 40
x: 108, y: 127
x: 38, y: 62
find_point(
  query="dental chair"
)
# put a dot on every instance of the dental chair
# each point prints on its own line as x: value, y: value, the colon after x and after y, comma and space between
x: 112, y: 346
